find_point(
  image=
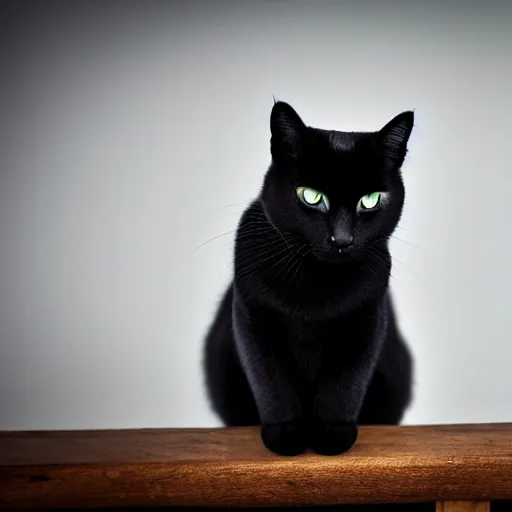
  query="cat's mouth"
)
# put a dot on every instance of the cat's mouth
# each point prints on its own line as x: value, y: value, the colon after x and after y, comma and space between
x: 334, y: 255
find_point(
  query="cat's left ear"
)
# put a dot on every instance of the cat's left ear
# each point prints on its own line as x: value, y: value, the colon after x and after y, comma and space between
x: 394, y: 136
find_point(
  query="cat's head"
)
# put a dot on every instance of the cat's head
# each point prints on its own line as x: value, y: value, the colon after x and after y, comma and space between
x: 339, y: 191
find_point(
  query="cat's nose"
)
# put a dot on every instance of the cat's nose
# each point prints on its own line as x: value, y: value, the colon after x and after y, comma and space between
x: 342, y: 239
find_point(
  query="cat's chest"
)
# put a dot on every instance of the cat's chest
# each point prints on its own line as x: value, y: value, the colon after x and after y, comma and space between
x: 312, y: 348
x: 306, y: 347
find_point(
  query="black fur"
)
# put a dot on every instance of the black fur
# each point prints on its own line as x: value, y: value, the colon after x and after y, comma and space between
x: 305, y: 341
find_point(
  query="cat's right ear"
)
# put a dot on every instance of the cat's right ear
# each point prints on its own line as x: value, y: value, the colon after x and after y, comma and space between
x: 287, y: 130
x: 395, y: 136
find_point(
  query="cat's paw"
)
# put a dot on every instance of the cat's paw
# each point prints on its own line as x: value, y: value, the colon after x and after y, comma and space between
x: 285, y: 438
x: 333, y: 438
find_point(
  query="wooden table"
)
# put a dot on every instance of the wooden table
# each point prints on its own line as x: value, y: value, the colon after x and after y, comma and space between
x: 461, y: 467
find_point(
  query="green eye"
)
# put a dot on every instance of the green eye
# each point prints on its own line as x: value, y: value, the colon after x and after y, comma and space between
x: 312, y: 198
x: 370, y: 201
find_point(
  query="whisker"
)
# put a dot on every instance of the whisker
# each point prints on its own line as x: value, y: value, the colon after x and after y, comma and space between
x: 301, y: 261
x: 290, y: 261
x: 254, y: 252
x: 409, y: 243
x: 405, y: 266
x: 232, y: 204
x: 393, y: 259
x: 253, y: 229
x: 292, y: 264
x: 259, y: 235
x: 252, y: 266
x: 245, y: 259
x: 214, y: 238
x: 375, y: 271
x: 381, y: 257
x: 242, y: 235
x: 240, y: 212
x: 286, y: 257
x: 296, y: 257
x: 247, y: 270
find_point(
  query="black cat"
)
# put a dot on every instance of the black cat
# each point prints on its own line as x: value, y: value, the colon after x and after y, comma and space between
x: 305, y: 341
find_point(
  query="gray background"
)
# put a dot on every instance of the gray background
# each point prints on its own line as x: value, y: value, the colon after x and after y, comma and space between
x: 131, y: 133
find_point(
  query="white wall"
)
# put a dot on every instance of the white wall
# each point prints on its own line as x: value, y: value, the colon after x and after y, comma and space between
x: 126, y: 131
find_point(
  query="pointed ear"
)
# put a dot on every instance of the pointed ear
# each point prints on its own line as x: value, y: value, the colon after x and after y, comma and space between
x: 394, y: 136
x: 287, y: 131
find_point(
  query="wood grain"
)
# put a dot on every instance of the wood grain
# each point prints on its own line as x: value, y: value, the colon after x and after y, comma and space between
x: 463, y: 506
x: 230, y: 467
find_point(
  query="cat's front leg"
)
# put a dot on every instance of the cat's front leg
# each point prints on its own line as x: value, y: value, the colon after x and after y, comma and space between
x: 339, y: 400
x: 348, y: 367
x: 283, y: 428
x: 333, y: 423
